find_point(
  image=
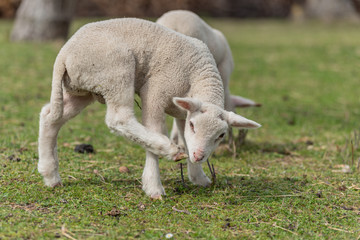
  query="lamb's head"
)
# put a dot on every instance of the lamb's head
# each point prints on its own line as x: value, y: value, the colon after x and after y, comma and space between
x: 206, y: 125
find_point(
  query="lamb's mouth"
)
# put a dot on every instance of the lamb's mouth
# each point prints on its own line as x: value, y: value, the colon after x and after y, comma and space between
x: 199, y: 161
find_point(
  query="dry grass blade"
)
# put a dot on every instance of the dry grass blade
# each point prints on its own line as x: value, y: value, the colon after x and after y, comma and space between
x: 72, y: 177
x: 339, y: 229
x: 66, y: 233
x: 274, y: 225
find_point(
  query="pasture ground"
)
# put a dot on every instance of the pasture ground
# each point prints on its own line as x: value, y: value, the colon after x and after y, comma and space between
x: 297, y: 177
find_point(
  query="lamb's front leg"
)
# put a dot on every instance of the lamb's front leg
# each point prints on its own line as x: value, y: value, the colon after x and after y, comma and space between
x: 121, y: 120
x: 151, y: 182
x: 195, y: 172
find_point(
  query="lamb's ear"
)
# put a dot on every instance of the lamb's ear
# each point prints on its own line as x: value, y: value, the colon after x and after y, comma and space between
x: 238, y: 121
x: 189, y: 104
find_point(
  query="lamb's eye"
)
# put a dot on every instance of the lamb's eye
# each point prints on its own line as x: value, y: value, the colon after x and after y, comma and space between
x: 192, y: 126
x: 220, y: 136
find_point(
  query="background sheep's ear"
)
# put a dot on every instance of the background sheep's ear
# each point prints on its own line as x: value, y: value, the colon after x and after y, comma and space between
x: 188, y: 104
x: 238, y: 121
x: 242, y: 102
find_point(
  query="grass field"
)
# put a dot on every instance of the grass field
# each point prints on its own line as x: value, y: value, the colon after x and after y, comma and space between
x: 289, y: 180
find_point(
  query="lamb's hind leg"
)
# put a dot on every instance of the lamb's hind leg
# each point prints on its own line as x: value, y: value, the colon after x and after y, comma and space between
x: 48, y: 131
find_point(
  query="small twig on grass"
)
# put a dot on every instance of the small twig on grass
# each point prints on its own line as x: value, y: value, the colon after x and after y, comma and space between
x: 209, y: 167
x: 214, y: 176
x: 212, y: 172
x: 182, y: 174
x: 66, y: 233
x: 180, y: 211
x: 274, y: 225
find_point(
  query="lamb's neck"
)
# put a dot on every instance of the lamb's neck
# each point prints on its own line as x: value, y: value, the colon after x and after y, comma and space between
x: 209, y: 90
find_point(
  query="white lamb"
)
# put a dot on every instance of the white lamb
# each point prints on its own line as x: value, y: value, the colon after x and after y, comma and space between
x: 110, y: 61
x: 192, y: 25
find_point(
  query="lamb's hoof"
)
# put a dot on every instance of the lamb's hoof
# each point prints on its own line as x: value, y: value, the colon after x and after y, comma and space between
x: 180, y: 156
x: 59, y: 184
x: 156, y: 197
x: 54, y: 181
x: 203, y: 181
x: 54, y: 185
x: 153, y: 190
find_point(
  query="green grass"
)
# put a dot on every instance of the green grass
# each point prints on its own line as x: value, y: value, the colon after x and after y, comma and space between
x: 284, y: 182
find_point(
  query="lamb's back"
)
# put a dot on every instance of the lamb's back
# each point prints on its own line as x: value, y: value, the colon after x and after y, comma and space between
x: 154, y: 47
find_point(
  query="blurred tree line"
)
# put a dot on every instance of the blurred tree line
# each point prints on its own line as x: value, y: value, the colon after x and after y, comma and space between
x: 43, y: 20
x: 324, y: 9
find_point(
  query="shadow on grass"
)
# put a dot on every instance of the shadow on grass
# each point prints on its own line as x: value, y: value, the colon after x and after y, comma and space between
x: 268, y: 147
x: 237, y: 189
x: 233, y: 189
x: 248, y: 147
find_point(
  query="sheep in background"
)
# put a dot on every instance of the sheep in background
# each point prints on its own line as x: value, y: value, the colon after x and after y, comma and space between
x: 192, y: 25
x: 111, y: 61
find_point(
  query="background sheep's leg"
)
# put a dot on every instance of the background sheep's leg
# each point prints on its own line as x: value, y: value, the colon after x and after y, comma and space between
x: 49, y: 128
x: 225, y: 69
x: 174, y: 135
x: 151, y: 182
x: 195, y: 172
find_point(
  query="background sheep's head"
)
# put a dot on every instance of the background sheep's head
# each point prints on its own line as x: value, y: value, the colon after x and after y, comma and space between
x: 206, y: 125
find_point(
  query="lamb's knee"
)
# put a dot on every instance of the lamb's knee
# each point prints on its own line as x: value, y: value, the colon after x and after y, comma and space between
x: 45, y: 111
x: 46, y: 116
x: 119, y: 119
x: 116, y: 125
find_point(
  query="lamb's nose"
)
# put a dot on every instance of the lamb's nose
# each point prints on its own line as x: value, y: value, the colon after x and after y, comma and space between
x: 198, y: 156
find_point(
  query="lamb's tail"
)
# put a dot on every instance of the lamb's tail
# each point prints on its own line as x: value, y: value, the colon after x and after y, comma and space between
x: 56, y: 99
